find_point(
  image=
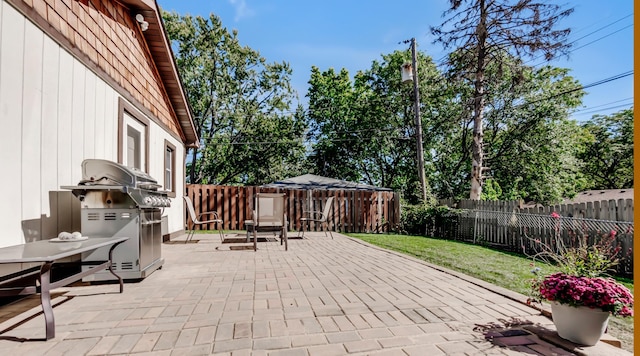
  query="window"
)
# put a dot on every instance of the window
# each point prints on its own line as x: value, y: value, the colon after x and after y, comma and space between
x: 133, y: 137
x: 170, y: 168
x: 134, y: 151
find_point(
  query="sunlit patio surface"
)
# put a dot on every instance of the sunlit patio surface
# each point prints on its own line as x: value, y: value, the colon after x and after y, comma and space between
x: 322, y: 297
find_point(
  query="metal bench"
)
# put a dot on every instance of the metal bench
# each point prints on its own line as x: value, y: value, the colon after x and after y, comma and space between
x: 47, y: 253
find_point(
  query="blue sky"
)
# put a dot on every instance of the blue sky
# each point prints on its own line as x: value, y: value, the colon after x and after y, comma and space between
x: 352, y: 33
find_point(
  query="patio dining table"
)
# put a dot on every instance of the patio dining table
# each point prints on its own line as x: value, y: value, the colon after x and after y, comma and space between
x: 46, y: 253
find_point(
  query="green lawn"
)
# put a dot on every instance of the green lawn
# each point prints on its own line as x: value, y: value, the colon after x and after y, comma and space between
x: 503, y: 269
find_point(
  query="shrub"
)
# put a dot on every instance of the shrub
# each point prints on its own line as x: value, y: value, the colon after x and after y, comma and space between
x: 425, y: 219
x: 583, y: 256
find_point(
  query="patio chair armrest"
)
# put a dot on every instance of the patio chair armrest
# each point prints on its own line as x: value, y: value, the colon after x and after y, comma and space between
x: 215, y: 215
x: 313, y: 213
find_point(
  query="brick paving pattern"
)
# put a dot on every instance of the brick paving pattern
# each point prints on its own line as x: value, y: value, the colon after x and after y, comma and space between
x: 322, y: 297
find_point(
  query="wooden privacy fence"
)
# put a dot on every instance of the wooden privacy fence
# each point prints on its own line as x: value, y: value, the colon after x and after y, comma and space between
x: 506, y: 225
x: 352, y: 210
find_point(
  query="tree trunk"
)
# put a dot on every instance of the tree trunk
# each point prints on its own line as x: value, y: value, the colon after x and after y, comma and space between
x: 192, y: 171
x: 478, y: 109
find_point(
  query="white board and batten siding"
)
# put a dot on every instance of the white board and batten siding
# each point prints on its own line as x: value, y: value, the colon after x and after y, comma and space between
x: 55, y: 112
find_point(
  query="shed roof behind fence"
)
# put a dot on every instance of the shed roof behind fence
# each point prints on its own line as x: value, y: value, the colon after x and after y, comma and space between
x: 600, y: 195
x: 311, y: 181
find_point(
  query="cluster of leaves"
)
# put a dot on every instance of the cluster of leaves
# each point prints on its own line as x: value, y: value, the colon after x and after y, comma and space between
x: 583, y: 255
x: 531, y: 149
x: 421, y: 218
x: 591, y: 260
x: 363, y: 129
x: 250, y: 133
x: 608, y: 153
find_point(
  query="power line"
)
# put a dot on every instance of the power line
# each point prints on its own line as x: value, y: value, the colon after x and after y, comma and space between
x: 610, y: 79
x: 591, y: 85
x: 603, y: 37
x: 599, y: 82
x: 587, y: 35
x: 443, y: 59
x: 596, y: 83
x: 602, y: 28
x: 589, y: 43
x: 605, y: 104
x: 583, y: 112
x: 609, y: 103
x: 288, y: 142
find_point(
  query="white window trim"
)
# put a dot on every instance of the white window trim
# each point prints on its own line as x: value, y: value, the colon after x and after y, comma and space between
x: 172, y: 189
x: 128, y: 116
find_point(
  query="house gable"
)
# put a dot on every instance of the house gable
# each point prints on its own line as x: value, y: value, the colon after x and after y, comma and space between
x: 104, y: 35
x: 79, y: 80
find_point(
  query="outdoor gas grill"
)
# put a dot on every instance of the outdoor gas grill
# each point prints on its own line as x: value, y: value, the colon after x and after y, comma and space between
x: 121, y: 201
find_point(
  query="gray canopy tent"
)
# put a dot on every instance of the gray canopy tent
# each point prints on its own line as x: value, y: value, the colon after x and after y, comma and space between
x: 314, y: 182
x: 356, y: 217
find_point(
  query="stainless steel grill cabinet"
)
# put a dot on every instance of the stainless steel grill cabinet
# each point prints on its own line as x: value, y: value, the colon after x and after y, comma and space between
x: 121, y: 201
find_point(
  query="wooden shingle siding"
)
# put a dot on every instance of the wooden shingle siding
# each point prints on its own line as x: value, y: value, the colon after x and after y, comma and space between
x: 106, y: 34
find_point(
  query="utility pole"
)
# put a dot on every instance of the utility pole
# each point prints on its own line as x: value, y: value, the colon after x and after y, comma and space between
x: 416, y: 102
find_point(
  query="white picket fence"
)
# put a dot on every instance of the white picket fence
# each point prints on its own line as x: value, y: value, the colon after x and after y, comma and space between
x: 508, y: 226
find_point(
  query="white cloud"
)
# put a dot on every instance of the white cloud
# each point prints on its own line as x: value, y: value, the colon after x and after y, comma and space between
x: 242, y: 10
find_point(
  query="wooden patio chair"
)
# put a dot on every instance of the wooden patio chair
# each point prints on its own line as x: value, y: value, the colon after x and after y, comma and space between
x: 269, y: 216
x: 196, y: 220
x: 318, y: 217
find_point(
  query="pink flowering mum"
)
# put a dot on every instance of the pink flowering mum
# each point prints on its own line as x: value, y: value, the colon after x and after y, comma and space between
x: 598, y: 293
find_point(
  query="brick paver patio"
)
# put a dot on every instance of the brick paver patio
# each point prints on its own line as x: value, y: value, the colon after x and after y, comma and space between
x: 322, y: 297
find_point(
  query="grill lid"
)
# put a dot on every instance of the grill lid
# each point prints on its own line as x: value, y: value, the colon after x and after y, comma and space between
x: 104, y: 172
x: 106, y: 184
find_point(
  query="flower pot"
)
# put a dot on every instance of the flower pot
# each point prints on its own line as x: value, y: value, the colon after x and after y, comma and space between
x: 581, y: 325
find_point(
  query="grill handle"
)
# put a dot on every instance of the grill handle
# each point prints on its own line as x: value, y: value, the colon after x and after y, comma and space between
x: 149, y: 186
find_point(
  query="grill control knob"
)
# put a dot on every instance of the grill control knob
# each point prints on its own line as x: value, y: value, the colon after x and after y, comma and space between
x: 147, y: 201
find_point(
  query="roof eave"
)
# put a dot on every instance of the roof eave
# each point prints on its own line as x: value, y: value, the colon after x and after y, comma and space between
x: 160, y: 49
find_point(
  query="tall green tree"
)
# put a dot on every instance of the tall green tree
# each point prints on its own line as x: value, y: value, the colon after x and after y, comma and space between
x: 244, y: 112
x: 485, y: 29
x: 332, y: 124
x: 608, y: 157
x: 531, y: 145
x: 363, y: 129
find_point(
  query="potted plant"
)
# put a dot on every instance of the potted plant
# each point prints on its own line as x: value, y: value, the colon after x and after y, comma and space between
x: 581, y: 306
x: 582, y: 297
